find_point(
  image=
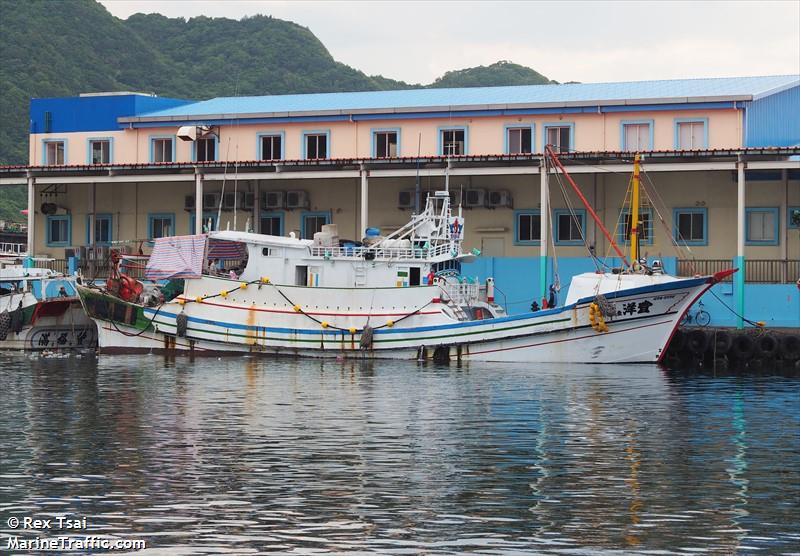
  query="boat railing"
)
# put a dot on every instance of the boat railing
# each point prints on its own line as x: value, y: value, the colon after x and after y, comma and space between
x: 7, y: 248
x: 462, y: 293
x: 381, y: 253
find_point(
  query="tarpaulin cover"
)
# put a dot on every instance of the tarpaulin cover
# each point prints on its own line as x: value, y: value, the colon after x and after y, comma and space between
x: 176, y: 257
x: 226, y: 250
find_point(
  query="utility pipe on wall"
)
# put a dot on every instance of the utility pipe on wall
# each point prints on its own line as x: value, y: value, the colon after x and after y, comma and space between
x: 198, y: 201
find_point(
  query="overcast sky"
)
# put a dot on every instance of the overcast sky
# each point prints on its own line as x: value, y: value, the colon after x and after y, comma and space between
x: 567, y: 41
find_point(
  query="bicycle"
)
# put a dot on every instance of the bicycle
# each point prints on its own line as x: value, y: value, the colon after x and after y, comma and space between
x: 698, y: 316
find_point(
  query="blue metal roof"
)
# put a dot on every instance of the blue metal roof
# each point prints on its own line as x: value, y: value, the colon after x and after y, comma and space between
x: 635, y: 92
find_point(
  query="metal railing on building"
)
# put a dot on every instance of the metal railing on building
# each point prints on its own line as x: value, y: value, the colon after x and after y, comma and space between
x: 763, y: 271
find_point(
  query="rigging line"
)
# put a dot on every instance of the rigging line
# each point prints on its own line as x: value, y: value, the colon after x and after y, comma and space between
x: 224, y: 177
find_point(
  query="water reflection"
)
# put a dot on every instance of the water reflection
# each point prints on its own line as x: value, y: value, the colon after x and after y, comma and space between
x: 251, y: 455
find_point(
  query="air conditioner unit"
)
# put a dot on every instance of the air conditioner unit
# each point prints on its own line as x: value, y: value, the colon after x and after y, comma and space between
x: 271, y: 200
x: 473, y: 198
x: 405, y: 199
x: 248, y: 201
x: 210, y: 200
x: 231, y: 200
x: 188, y: 202
x: 500, y: 199
x: 297, y: 200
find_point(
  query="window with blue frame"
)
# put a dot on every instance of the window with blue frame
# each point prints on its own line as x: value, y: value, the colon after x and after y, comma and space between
x: 59, y: 230
x: 102, y: 229
x: 761, y: 226
x: 570, y: 226
x: 527, y: 227
x: 385, y: 143
x: 312, y: 223
x: 315, y: 145
x: 645, y: 226
x: 453, y: 141
x: 637, y: 136
x: 691, y: 226
x: 559, y: 137
x: 100, y: 151
x: 55, y: 152
x: 162, y: 149
x: 205, y: 150
x: 519, y: 139
x: 160, y: 225
x: 270, y: 146
x: 691, y: 134
x: 271, y: 223
x: 209, y: 222
x: 793, y: 217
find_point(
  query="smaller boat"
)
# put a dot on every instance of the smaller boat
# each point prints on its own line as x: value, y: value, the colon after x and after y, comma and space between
x: 39, y: 310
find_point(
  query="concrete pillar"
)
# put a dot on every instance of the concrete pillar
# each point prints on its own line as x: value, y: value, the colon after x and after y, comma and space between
x: 739, y: 277
x: 784, y: 227
x: 256, y: 206
x: 544, y: 228
x: 31, y: 213
x: 198, y: 202
x: 364, y: 203
x: 92, y: 211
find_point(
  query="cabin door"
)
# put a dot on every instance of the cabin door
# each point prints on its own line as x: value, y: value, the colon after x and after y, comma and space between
x: 301, y: 275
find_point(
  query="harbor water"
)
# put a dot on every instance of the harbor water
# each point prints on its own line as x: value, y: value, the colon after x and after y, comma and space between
x: 251, y: 455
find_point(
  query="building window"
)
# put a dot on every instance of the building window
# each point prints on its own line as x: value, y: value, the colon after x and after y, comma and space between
x: 55, y: 153
x: 519, y: 139
x: 162, y: 149
x: 691, y: 226
x: 209, y: 222
x: 761, y: 226
x: 315, y: 145
x: 102, y: 229
x: 570, y: 226
x: 385, y: 143
x: 645, y: 227
x: 453, y: 141
x: 559, y: 137
x: 793, y: 217
x: 312, y: 223
x: 160, y: 225
x: 691, y: 134
x: 271, y: 223
x: 637, y: 136
x: 59, y: 230
x: 527, y: 227
x: 100, y: 151
x: 205, y: 150
x: 271, y: 147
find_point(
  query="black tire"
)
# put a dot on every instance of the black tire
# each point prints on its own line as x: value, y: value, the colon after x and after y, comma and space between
x: 17, y: 321
x: 767, y: 346
x: 742, y: 347
x: 721, y: 344
x: 181, y: 324
x: 702, y: 318
x: 721, y: 363
x: 697, y: 342
x: 677, y: 341
x: 790, y: 347
x: 5, y: 325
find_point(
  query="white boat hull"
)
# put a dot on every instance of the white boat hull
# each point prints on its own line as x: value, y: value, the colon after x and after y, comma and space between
x: 639, y: 328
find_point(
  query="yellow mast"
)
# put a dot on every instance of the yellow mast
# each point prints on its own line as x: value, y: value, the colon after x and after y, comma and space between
x: 635, y: 212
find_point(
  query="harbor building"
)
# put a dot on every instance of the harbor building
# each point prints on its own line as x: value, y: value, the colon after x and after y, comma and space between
x: 721, y: 161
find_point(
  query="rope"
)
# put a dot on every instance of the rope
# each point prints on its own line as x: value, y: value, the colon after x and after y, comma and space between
x: 729, y: 308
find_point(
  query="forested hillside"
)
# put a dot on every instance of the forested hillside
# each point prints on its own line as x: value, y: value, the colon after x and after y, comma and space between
x: 66, y: 47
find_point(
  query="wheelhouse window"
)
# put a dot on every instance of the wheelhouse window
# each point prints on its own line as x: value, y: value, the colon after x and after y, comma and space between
x: 161, y: 225
x: 205, y: 149
x: 58, y: 230
x: 316, y: 145
x: 527, y: 227
x: 519, y: 140
x: 645, y: 226
x: 54, y: 152
x: 271, y: 223
x: 636, y: 136
x: 762, y: 226
x: 453, y: 142
x: 162, y: 149
x: 691, y: 225
x: 271, y: 147
x: 100, y: 151
x: 559, y: 137
x: 313, y: 222
x: 385, y: 144
x: 570, y: 227
x: 691, y: 135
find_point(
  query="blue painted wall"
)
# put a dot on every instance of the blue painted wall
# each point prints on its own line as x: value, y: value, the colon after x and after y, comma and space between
x: 93, y: 113
x: 769, y: 121
x: 517, y: 282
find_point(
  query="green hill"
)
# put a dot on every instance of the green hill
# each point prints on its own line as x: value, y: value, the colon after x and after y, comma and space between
x: 68, y: 47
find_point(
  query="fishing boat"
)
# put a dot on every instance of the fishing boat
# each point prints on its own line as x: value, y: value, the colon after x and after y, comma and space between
x: 399, y: 296
x: 40, y: 310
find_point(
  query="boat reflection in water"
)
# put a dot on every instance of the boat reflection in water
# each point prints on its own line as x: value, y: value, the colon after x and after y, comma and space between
x: 247, y: 454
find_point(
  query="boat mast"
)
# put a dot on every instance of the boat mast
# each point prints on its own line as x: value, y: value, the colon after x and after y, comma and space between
x: 554, y: 157
x: 635, y: 211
